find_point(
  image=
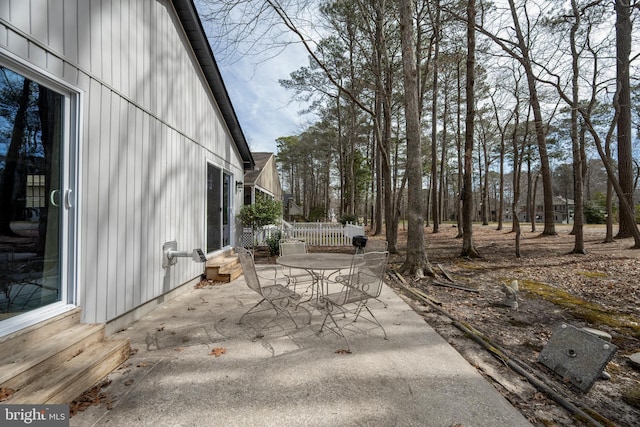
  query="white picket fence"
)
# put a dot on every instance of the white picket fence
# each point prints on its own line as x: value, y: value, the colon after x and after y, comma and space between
x: 313, y: 233
x: 322, y: 233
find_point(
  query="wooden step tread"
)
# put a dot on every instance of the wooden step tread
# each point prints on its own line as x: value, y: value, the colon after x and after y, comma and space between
x: 222, y: 261
x: 48, y: 353
x: 230, y: 268
x: 35, y: 333
x: 224, y: 268
x: 234, y: 274
x: 226, y: 276
x: 76, y: 375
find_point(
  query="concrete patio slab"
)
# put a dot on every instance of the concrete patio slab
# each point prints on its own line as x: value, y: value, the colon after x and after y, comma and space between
x: 291, y: 376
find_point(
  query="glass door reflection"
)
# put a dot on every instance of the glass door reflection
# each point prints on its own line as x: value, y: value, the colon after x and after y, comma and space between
x: 31, y: 199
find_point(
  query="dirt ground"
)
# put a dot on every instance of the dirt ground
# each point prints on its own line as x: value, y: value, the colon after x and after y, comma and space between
x: 600, y: 290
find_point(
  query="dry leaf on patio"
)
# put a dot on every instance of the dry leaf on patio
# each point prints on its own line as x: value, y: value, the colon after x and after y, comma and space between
x: 342, y: 351
x: 218, y: 351
x: 93, y: 396
x: 129, y: 382
x: 6, y: 393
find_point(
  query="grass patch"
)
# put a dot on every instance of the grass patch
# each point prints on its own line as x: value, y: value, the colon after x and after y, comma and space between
x: 593, y: 274
x: 625, y: 324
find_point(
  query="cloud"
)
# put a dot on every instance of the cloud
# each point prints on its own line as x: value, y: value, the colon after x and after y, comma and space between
x: 265, y: 109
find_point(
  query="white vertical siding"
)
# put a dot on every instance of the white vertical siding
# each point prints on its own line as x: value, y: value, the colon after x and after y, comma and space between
x: 39, y: 19
x: 20, y: 14
x: 80, y: 54
x: 150, y: 124
x: 70, y: 10
x: 56, y: 24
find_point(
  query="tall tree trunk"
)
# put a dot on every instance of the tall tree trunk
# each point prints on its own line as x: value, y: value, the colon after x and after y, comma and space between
x: 485, y: 186
x: 468, y: 247
x: 608, y: 238
x: 352, y: 158
x: 459, y: 152
x: 517, y: 172
x: 500, y: 210
x: 625, y: 167
x: 435, y: 208
x: 443, y: 161
x: 480, y: 188
x: 391, y: 215
x: 416, y: 261
x: 379, y: 198
x: 342, y: 161
x: 530, y: 203
x: 578, y: 216
x: 376, y: 183
x: 11, y: 162
x: 534, y: 196
x: 545, y: 170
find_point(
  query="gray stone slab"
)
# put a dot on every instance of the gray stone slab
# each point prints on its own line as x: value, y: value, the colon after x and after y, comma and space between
x: 635, y: 360
x: 577, y: 355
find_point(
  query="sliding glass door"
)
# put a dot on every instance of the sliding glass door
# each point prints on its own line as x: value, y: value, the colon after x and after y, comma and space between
x: 219, y: 192
x: 34, y: 195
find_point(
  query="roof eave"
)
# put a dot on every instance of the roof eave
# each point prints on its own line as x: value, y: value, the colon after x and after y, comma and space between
x: 194, y: 31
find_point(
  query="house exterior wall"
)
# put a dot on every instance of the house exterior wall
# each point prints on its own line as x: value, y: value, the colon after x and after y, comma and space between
x: 268, y: 179
x: 148, y: 124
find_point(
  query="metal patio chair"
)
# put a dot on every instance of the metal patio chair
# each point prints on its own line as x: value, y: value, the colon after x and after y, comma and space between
x: 371, y: 246
x: 274, y: 296
x: 363, y: 283
x: 295, y: 276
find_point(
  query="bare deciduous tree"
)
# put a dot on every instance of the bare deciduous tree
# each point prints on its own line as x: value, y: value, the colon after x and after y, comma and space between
x: 468, y: 247
x: 625, y: 166
x: 416, y: 261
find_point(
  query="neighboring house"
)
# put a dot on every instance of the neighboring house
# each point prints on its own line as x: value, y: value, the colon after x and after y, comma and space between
x: 563, y: 210
x: 291, y: 209
x: 263, y: 179
x: 126, y: 108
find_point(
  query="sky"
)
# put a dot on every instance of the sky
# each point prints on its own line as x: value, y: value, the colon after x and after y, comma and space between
x: 265, y: 109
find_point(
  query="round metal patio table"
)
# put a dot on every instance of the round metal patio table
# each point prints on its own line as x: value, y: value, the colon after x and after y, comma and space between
x: 321, y: 266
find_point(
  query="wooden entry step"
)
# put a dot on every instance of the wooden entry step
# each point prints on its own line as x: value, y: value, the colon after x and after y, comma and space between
x: 57, y: 360
x: 223, y: 268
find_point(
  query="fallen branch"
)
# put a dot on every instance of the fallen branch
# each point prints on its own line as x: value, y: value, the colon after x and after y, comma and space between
x: 453, y: 285
x: 398, y: 278
x: 425, y: 296
x: 445, y: 272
